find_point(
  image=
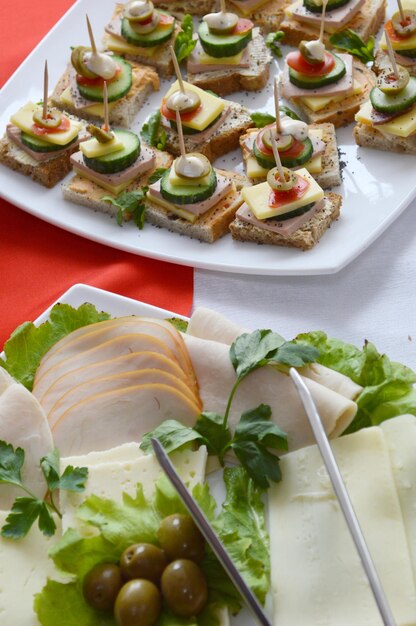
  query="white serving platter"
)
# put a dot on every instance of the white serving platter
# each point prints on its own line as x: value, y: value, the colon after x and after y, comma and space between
x: 377, y: 186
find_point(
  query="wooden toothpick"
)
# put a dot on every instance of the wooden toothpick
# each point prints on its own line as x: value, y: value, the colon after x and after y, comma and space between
x: 180, y: 134
x: 321, y: 32
x: 177, y: 69
x: 223, y: 8
x: 91, y: 36
x: 402, y: 15
x: 106, y: 115
x: 277, y: 159
x: 45, y: 91
x: 391, y: 55
x: 276, y: 105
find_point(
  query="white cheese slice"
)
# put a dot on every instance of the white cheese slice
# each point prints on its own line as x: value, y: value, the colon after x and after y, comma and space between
x: 257, y: 198
x: 125, y: 452
x: 402, y: 126
x: 24, y: 570
x: 400, y: 435
x: 317, y: 576
x: 23, y: 119
x: 111, y: 478
x: 211, y: 106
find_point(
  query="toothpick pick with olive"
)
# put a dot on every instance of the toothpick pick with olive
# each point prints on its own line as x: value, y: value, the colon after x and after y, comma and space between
x: 287, y: 178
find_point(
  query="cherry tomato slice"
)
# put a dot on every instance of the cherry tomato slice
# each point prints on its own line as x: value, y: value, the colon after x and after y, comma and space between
x: 171, y: 115
x: 242, y: 27
x: 278, y: 199
x: 392, y: 33
x: 298, y: 63
x: 96, y: 82
x: 40, y: 130
x: 295, y: 149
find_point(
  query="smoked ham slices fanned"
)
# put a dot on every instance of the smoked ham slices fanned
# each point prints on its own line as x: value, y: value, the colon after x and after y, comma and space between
x: 119, y: 378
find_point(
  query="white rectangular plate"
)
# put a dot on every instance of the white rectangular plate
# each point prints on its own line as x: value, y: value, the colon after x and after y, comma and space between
x: 377, y: 186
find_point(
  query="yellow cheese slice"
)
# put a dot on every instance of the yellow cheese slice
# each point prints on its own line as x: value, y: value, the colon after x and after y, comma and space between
x: 211, y: 106
x: 123, y: 47
x: 94, y: 109
x: 254, y: 170
x: 402, y: 126
x: 173, y: 208
x: 114, y: 189
x: 93, y: 148
x: 177, y: 181
x: 23, y: 119
x: 249, y: 11
x: 257, y: 198
x: 206, y: 59
x: 316, y: 103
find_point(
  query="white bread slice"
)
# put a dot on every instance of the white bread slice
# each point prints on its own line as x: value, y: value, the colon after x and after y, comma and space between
x: 368, y: 137
x: 225, y: 138
x: 253, y: 78
x: 269, y: 16
x: 382, y: 62
x: 305, y: 238
x: 85, y: 192
x: 365, y: 23
x: 330, y: 176
x: 208, y: 227
x: 145, y: 80
x: 341, y: 113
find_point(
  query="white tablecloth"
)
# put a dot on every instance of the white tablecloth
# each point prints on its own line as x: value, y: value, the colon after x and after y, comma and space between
x: 373, y: 298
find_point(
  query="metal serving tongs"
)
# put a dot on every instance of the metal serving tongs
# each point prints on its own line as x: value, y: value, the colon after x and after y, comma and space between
x: 343, y: 498
x: 210, y: 536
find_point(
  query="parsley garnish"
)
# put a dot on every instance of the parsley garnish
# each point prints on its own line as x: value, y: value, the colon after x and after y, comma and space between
x: 130, y: 205
x: 26, y: 510
x: 351, y: 42
x: 273, y: 42
x: 255, y: 434
x: 184, y: 42
x: 157, y: 175
x: 152, y: 132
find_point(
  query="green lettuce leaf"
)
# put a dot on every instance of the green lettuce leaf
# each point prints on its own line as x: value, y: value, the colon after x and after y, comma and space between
x: 29, y: 343
x: 387, y: 386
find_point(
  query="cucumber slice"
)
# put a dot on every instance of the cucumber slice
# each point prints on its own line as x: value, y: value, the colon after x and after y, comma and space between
x: 116, y: 89
x: 314, y: 82
x: 160, y: 35
x: 314, y: 7
x: 411, y: 53
x: 39, y: 145
x: 192, y: 131
x: 222, y: 45
x: 389, y: 103
x: 295, y: 213
x: 267, y: 161
x: 185, y: 194
x: 120, y: 160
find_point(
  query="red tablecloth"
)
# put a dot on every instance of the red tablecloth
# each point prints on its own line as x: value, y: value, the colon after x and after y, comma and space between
x: 38, y: 261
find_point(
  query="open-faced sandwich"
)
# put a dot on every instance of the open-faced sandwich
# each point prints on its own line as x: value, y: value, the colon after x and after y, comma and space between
x: 231, y: 55
x: 210, y: 124
x: 80, y: 89
x: 142, y: 33
x: 289, y: 209
x: 303, y: 17
x: 387, y: 121
x: 325, y: 86
x: 39, y: 142
x: 401, y: 30
x: 267, y: 14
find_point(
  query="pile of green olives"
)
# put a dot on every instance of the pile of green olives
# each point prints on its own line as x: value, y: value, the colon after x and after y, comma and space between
x: 149, y: 577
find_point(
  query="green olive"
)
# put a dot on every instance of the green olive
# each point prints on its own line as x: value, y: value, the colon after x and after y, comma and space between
x: 53, y: 118
x: 221, y: 23
x: 180, y: 538
x: 305, y: 52
x: 275, y: 182
x: 77, y: 60
x: 102, y: 585
x: 283, y: 142
x: 101, y: 135
x: 138, y: 11
x: 148, y: 27
x: 184, y: 102
x: 408, y: 26
x: 143, y: 560
x: 138, y: 604
x: 389, y: 83
x: 184, y: 588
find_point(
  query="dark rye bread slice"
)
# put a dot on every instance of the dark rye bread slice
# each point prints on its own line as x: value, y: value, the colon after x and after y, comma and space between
x: 330, y: 176
x: 368, y: 137
x: 193, y: 7
x: 382, y: 62
x: 224, y: 139
x: 208, y: 227
x: 305, y: 237
x: 253, y: 78
x: 83, y: 191
x: 365, y: 23
x: 341, y: 113
x: 268, y: 16
x: 144, y: 81
x: 47, y: 173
